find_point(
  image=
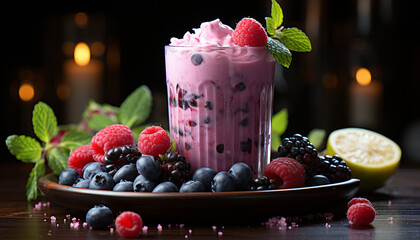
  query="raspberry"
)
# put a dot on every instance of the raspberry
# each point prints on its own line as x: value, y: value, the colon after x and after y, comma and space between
x: 361, y: 214
x: 79, y: 158
x: 249, y: 32
x: 128, y: 224
x: 358, y: 200
x: 116, y: 135
x: 287, y: 172
x: 154, y: 140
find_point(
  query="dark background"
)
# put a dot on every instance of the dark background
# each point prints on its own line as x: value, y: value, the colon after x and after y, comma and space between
x: 32, y: 38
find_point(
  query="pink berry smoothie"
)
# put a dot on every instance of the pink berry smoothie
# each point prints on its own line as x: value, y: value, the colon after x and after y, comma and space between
x: 219, y: 99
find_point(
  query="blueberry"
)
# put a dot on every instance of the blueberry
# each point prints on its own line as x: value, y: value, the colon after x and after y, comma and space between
x: 166, y: 187
x: 99, y: 217
x: 102, y: 181
x: 127, y: 172
x: 244, y: 122
x: 207, y: 120
x: 196, y: 59
x: 93, y: 168
x: 317, y: 180
x: 240, y: 86
x: 223, y: 182
x: 142, y: 184
x: 82, y: 183
x: 242, y: 174
x: 204, y: 175
x: 148, y: 167
x: 220, y: 148
x: 246, y: 146
x: 68, y: 177
x: 209, y: 105
x: 123, y: 185
x: 192, y: 186
x: 187, y: 146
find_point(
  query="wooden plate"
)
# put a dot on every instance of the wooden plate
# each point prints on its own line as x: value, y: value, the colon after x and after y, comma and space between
x: 165, y: 207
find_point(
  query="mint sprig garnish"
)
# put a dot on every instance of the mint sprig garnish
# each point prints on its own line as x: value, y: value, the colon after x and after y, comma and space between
x: 46, y: 151
x: 283, y: 40
x: 29, y: 150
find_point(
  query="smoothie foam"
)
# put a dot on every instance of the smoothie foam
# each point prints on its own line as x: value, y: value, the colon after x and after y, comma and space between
x: 219, y: 98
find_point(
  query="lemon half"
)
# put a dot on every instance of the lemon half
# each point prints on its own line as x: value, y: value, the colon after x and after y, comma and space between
x: 372, y: 157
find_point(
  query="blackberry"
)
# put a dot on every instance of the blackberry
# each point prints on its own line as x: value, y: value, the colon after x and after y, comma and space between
x: 117, y: 157
x: 262, y: 183
x: 334, y: 168
x: 175, y: 169
x: 299, y: 148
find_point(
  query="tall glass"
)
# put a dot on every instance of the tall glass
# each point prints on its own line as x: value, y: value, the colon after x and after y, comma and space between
x: 220, y: 104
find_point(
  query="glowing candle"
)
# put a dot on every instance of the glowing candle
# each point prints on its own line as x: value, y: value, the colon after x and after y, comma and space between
x: 365, y: 99
x: 83, y: 76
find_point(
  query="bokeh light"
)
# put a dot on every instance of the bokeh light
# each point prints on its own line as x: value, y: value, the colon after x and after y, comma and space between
x: 82, y: 54
x: 363, y: 76
x: 26, y: 92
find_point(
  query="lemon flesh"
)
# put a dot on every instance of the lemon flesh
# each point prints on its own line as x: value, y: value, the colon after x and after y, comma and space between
x: 372, y: 157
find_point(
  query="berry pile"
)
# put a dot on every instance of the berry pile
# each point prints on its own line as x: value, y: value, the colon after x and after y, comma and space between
x: 319, y: 170
x: 113, y: 162
x: 147, y: 167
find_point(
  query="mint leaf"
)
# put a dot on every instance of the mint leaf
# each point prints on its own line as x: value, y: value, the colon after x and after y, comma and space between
x: 275, y: 141
x: 279, y: 124
x: 316, y: 136
x: 276, y: 14
x: 74, y: 139
x: 99, y: 121
x: 25, y: 148
x: 57, y: 160
x: 44, y: 122
x: 136, y: 107
x: 271, y: 26
x: 280, y: 121
x: 32, y: 185
x: 94, y: 107
x: 295, y: 40
x: 279, y: 52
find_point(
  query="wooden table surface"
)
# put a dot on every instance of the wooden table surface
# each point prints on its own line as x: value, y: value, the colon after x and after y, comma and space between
x: 397, y: 205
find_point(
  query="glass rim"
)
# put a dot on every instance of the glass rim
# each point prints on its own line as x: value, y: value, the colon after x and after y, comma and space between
x: 212, y: 47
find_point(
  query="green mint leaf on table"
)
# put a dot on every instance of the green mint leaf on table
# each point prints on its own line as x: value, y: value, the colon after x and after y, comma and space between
x: 279, y: 124
x: 44, y: 122
x: 100, y: 121
x: 295, y: 40
x: 74, y: 139
x: 57, y: 160
x: 24, y: 148
x: 32, y: 185
x: 317, y: 136
x: 280, y: 52
x: 136, y: 108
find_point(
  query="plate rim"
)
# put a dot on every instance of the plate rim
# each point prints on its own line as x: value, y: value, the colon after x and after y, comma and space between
x: 46, y: 183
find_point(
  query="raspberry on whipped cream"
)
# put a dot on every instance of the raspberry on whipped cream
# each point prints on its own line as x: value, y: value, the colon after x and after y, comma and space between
x: 211, y: 34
